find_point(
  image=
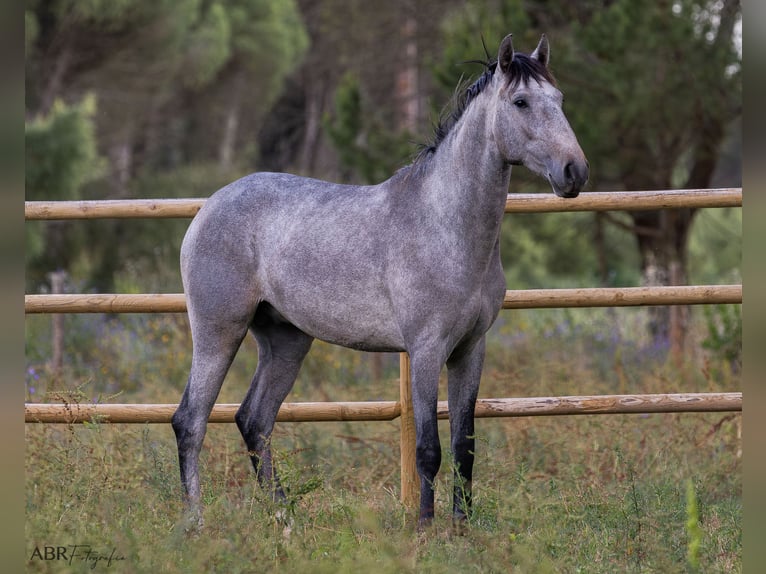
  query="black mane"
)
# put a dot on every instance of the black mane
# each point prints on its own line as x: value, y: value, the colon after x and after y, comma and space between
x: 523, y: 69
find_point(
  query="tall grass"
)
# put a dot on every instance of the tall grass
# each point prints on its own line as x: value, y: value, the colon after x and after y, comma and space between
x: 552, y: 494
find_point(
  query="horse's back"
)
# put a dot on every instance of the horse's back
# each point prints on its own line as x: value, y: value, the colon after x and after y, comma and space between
x: 315, y: 251
x: 271, y: 207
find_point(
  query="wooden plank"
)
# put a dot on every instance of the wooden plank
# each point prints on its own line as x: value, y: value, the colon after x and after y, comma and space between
x: 106, y: 303
x: 115, y: 208
x: 516, y: 203
x: 340, y: 411
x: 622, y: 296
x: 604, y: 404
x: 410, y: 481
x: 222, y: 413
x: 624, y: 200
x: 521, y: 299
x: 389, y: 410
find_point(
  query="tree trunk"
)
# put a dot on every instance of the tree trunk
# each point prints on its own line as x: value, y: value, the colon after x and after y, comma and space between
x: 315, y: 89
x: 121, y: 160
x: 55, y: 81
x: 226, y: 148
x: 231, y: 123
x: 407, y: 92
x: 662, y: 238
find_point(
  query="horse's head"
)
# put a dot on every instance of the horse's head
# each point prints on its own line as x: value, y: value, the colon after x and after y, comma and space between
x: 530, y: 127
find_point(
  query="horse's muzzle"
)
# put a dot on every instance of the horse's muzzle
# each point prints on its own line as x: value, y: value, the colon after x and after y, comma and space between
x: 570, y: 179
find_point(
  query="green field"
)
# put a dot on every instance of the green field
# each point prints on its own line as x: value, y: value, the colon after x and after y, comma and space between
x: 625, y: 493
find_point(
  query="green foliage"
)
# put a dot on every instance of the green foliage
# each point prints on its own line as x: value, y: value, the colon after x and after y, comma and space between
x: 715, y: 246
x: 693, y: 530
x: 162, y: 74
x: 102, y: 12
x: 167, y: 74
x: 208, y: 47
x: 464, y: 30
x: 61, y: 152
x: 270, y: 28
x: 561, y: 250
x: 366, y: 147
x: 268, y: 39
x: 61, y: 156
x: 724, y: 333
x: 31, y: 31
x: 34, y: 243
x: 347, y: 125
x: 652, y: 74
x: 142, y: 255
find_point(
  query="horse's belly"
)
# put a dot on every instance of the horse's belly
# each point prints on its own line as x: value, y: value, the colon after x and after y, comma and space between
x: 362, y: 321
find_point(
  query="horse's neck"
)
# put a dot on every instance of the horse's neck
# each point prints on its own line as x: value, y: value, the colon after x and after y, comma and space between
x: 466, y: 184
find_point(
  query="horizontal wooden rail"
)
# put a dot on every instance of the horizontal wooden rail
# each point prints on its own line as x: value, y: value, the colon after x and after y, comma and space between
x: 622, y: 296
x: 604, y: 405
x: 522, y: 299
x: 516, y: 203
x: 390, y: 410
x: 624, y: 200
x: 106, y: 303
x: 223, y: 413
x: 113, y: 208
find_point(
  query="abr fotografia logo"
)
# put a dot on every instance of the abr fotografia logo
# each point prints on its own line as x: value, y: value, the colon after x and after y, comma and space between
x: 73, y: 553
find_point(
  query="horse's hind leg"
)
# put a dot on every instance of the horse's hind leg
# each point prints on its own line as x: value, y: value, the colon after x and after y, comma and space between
x: 281, y: 349
x: 215, y: 344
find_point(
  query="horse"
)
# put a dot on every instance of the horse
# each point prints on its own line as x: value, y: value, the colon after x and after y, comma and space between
x: 411, y: 264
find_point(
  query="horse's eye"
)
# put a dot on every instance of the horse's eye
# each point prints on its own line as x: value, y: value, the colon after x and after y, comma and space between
x: 521, y: 103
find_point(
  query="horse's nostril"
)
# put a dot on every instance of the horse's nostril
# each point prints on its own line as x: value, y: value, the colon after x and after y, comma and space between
x: 568, y: 174
x: 576, y: 172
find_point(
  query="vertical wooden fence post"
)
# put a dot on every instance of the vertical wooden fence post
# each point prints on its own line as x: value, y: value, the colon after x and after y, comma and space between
x: 410, y: 481
x: 57, y: 279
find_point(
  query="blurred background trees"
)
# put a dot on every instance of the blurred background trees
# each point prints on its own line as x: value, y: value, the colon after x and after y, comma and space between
x: 174, y: 98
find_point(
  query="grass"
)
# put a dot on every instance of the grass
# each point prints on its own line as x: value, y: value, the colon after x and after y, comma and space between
x: 625, y: 493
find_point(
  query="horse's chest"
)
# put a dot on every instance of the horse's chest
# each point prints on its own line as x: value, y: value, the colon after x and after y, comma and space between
x: 476, y: 312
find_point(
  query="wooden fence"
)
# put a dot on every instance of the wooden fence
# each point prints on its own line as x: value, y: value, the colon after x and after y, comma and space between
x: 389, y: 410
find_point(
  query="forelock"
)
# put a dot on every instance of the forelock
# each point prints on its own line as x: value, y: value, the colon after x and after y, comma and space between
x: 523, y: 69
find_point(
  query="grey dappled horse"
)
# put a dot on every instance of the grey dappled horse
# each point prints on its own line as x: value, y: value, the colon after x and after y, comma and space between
x: 411, y: 264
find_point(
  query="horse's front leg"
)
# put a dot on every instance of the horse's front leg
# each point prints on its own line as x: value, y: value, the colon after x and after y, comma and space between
x: 424, y: 372
x: 464, y: 372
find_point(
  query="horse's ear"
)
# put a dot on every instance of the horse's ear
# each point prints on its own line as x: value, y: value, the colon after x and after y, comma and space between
x: 543, y: 51
x: 505, y: 54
